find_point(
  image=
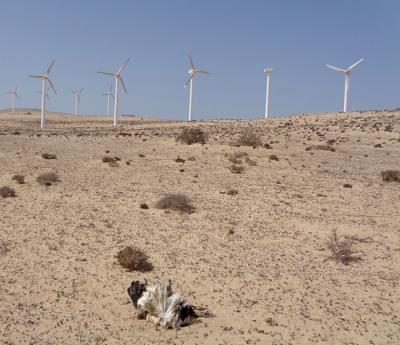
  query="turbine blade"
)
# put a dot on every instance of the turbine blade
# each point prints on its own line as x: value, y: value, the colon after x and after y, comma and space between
x: 79, y: 98
x: 52, y: 86
x: 16, y: 95
x: 80, y: 90
x: 36, y: 76
x: 47, y: 96
x: 191, y: 61
x: 123, y: 85
x: 107, y: 73
x: 354, y: 65
x: 190, y: 78
x: 50, y: 67
x: 110, y: 89
x: 123, y: 66
x: 336, y: 68
x: 204, y: 72
x: 112, y: 96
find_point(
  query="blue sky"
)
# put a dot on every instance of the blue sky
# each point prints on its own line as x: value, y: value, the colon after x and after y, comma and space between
x: 233, y: 39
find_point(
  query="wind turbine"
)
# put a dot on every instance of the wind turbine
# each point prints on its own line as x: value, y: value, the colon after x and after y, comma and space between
x: 45, y: 78
x: 13, y: 94
x: 268, y: 72
x: 347, y: 73
x: 108, y: 94
x: 192, y: 72
x: 77, y: 98
x: 118, y: 79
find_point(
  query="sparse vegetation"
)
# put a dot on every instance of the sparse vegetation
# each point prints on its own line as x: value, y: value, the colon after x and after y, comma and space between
x: 49, y: 156
x: 391, y: 175
x: 232, y: 191
x: 250, y: 161
x: 321, y: 148
x: 48, y: 179
x: 133, y: 259
x: 112, y: 161
x: 236, y: 169
x: 176, y: 202
x: 7, y: 192
x: 249, y: 137
x: 144, y: 206
x: 20, y: 179
x: 342, y: 249
x: 192, y: 135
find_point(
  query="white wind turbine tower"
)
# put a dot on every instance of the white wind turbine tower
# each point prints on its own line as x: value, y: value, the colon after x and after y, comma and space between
x: 45, y: 78
x: 347, y: 73
x: 47, y: 93
x: 118, y: 79
x: 13, y: 94
x: 268, y: 72
x: 192, y: 72
x: 77, y: 99
x: 108, y: 94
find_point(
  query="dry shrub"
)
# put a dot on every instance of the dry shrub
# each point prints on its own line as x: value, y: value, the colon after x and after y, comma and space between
x: 235, y: 157
x: 391, y: 175
x: 48, y: 179
x: 342, y: 249
x: 273, y: 158
x: 49, y: 156
x: 232, y: 191
x: 19, y: 179
x: 133, y: 259
x: 176, y: 202
x: 249, y: 137
x: 236, y: 169
x: 321, y: 148
x: 192, y: 135
x: 7, y: 192
x: 112, y: 161
x: 250, y: 161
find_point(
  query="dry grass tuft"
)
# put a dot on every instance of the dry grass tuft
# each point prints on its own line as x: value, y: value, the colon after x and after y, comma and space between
x: 321, y: 148
x: 236, y: 169
x: 176, y: 202
x: 112, y: 161
x: 235, y: 157
x: 193, y: 135
x: 20, y: 179
x: 232, y: 191
x: 49, y: 156
x: 391, y: 175
x: 7, y: 192
x: 133, y: 259
x: 249, y: 137
x: 273, y: 158
x: 342, y: 249
x: 48, y: 179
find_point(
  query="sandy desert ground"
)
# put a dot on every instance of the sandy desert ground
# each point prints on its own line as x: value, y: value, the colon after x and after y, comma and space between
x: 257, y: 261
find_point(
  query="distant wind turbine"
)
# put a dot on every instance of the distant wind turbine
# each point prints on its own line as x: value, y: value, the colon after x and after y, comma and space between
x: 45, y: 78
x: 268, y: 72
x: 108, y: 94
x: 118, y: 79
x: 347, y: 73
x: 77, y: 99
x: 13, y: 94
x: 192, y: 72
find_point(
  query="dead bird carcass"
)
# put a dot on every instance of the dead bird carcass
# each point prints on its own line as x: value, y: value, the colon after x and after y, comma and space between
x: 160, y: 305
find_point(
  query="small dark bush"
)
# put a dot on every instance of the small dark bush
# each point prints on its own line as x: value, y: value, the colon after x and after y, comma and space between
x: 391, y: 175
x: 321, y: 148
x: 236, y: 169
x: 273, y: 158
x: 133, y: 259
x: 19, y: 179
x: 112, y: 161
x: 7, y: 192
x: 192, y: 135
x: 48, y: 179
x: 49, y: 156
x: 232, y: 191
x: 268, y: 146
x: 144, y: 206
x: 249, y: 137
x: 176, y: 202
x: 342, y: 249
x: 347, y: 185
x: 250, y: 162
